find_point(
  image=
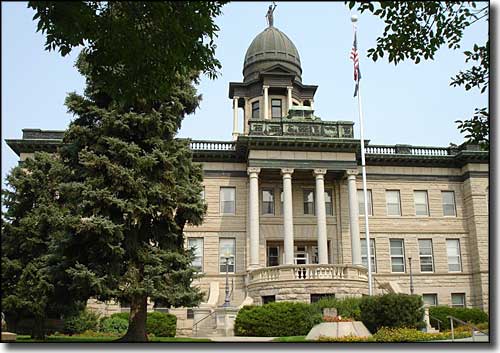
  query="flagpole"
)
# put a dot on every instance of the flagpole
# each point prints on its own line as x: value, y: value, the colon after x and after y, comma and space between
x: 354, y: 19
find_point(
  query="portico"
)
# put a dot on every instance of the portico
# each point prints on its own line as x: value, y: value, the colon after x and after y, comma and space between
x: 307, y: 213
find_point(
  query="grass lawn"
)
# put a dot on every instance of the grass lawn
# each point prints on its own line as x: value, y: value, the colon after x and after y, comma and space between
x: 64, y: 338
x: 291, y: 339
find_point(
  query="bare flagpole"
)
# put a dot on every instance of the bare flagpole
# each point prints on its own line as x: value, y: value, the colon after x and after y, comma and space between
x: 354, y: 20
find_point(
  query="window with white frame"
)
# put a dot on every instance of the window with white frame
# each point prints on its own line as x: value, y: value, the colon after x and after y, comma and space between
x: 227, y: 253
x: 430, y: 299
x: 267, y: 201
x: 449, y: 208
x: 397, y: 255
x: 361, y: 202
x: 196, y: 244
x: 421, y: 203
x: 227, y: 200
x: 328, y: 202
x: 426, y: 255
x: 454, y: 257
x: 309, y: 202
x: 458, y: 300
x: 393, y: 203
x: 364, y: 255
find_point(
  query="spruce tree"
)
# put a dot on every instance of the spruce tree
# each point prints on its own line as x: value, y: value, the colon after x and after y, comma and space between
x: 34, y: 286
x: 133, y: 187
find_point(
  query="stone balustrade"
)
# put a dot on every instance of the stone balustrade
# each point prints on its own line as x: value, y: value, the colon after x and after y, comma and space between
x: 302, y: 127
x: 308, y: 272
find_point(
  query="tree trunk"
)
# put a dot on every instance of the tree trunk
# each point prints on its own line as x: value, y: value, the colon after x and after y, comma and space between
x: 38, y: 332
x: 137, y: 321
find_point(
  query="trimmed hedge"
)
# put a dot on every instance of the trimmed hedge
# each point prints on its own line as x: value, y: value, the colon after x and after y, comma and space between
x: 158, y: 324
x: 392, y: 310
x: 86, y: 320
x: 347, y: 307
x: 472, y: 315
x: 276, y: 320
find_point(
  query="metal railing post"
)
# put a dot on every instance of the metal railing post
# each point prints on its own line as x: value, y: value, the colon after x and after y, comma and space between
x: 452, y: 333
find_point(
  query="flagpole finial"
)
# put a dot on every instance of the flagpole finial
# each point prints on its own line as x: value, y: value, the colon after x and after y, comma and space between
x: 354, y: 18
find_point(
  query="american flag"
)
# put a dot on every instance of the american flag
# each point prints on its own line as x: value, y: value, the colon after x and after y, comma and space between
x: 355, y: 59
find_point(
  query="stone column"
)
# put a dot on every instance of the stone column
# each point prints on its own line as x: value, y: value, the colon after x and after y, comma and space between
x: 288, y: 214
x: 289, y: 96
x: 321, y: 216
x: 312, y: 104
x: 266, y: 102
x: 246, y: 116
x: 254, y: 216
x: 354, y: 216
x: 235, y: 118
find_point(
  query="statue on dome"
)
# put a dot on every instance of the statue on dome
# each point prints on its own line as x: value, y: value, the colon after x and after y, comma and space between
x: 269, y: 15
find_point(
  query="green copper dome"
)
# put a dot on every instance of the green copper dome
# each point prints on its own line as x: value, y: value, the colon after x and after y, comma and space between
x: 269, y: 48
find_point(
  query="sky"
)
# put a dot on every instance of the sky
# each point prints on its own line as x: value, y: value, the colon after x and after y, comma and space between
x: 407, y: 103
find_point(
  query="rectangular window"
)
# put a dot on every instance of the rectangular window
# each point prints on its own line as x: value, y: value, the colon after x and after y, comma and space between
x: 309, y: 202
x: 421, y: 203
x: 361, y: 202
x: 197, y: 245
x: 255, y: 110
x: 426, y: 255
x: 397, y: 255
x: 268, y: 202
x: 393, y: 203
x: 227, y: 251
x: 276, y: 108
x: 329, y: 203
x: 453, y: 250
x: 449, y: 208
x: 202, y: 194
x: 273, y: 256
x: 227, y: 200
x: 458, y: 300
x: 318, y: 296
x: 364, y: 255
x: 430, y: 299
x: 268, y: 299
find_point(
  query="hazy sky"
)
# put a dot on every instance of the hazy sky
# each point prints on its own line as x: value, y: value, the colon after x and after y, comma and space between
x: 410, y: 104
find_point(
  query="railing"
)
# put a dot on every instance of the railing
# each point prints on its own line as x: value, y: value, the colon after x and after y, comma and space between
x: 301, y: 127
x: 452, y: 318
x: 411, y: 150
x: 308, y: 272
x: 439, y: 322
x: 203, y: 145
x: 195, y: 325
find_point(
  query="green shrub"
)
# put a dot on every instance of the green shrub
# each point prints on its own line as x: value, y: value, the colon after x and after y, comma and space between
x: 161, y: 324
x: 346, y: 307
x: 115, y: 324
x: 392, y: 310
x: 472, y: 315
x: 276, y: 319
x: 158, y: 324
x: 86, y: 320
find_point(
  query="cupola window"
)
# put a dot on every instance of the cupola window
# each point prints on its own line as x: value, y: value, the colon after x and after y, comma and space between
x: 255, y: 110
x: 276, y: 108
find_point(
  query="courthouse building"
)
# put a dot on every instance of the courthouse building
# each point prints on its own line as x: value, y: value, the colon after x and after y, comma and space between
x: 285, y: 206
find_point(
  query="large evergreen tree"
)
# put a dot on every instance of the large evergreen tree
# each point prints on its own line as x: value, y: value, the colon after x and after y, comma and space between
x: 132, y: 186
x: 34, y: 286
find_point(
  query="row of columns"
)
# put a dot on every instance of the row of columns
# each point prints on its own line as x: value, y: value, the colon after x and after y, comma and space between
x: 319, y: 174
x: 289, y: 91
